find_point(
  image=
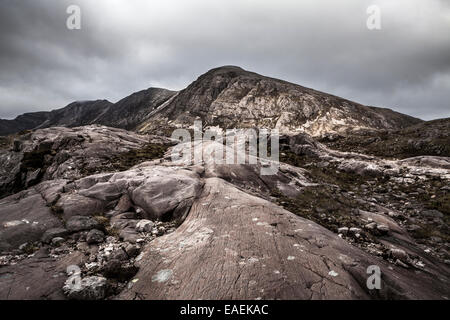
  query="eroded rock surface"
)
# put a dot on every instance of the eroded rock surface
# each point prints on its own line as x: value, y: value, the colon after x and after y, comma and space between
x: 175, y: 230
x: 71, y: 153
x: 248, y: 248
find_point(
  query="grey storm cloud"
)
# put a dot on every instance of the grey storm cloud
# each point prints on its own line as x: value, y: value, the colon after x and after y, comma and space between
x: 128, y: 45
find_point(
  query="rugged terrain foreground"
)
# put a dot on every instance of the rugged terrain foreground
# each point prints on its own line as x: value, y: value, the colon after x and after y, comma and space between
x: 107, y: 209
x: 164, y: 230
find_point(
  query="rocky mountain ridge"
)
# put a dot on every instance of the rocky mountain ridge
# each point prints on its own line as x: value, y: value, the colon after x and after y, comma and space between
x: 127, y: 113
x: 229, y: 97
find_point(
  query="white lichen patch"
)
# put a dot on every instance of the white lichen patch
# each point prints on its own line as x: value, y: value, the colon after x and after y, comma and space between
x: 196, y: 239
x: 13, y: 223
x: 162, y: 275
x: 253, y: 260
x: 231, y: 252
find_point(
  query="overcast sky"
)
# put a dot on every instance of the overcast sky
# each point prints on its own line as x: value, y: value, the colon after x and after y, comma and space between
x: 129, y: 45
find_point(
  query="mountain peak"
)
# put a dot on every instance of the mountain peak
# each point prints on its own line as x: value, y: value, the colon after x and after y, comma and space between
x: 231, y: 97
x: 226, y: 68
x: 229, y: 71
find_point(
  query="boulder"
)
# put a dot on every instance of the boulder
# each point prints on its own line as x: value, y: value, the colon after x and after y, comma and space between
x: 57, y: 241
x: 382, y: 228
x: 361, y: 168
x: 399, y: 254
x: 24, y: 217
x: 95, y: 236
x: 119, y: 270
x: 38, y: 277
x: 81, y: 223
x: 132, y: 250
x: 105, y: 191
x: 74, y: 204
x: 371, y: 226
x: 118, y: 254
x: 432, y: 214
x: 164, y: 190
x: 129, y: 234
x: 53, y: 233
x: 144, y: 226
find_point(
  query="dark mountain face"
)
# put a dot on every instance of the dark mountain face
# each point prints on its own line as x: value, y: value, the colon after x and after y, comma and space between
x: 129, y: 112
x: 78, y: 113
x: 23, y: 122
x: 75, y: 114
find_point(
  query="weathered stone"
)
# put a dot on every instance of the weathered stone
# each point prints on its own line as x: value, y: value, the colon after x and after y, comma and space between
x: 41, y: 253
x: 124, y: 204
x: 81, y: 223
x: 164, y: 190
x: 399, y: 254
x: 132, y: 250
x: 53, y: 233
x: 24, y: 246
x: 119, y: 270
x: 129, y: 235
x: 57, y: 241
x: 77, y: 205
x: 355, y: 230
x: 83, y: 247
x: 144, y: 226
x: 371, y: 226
x: 433, y: 214
x: 95, y: 236
x: 69, y: 153
x: 105, y: 191
x: 360, y: 168
x: 24, y: 217
x: 277, y: 242
x: 37, y: 277
x: 90, y: 288
x: 383, y: 229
